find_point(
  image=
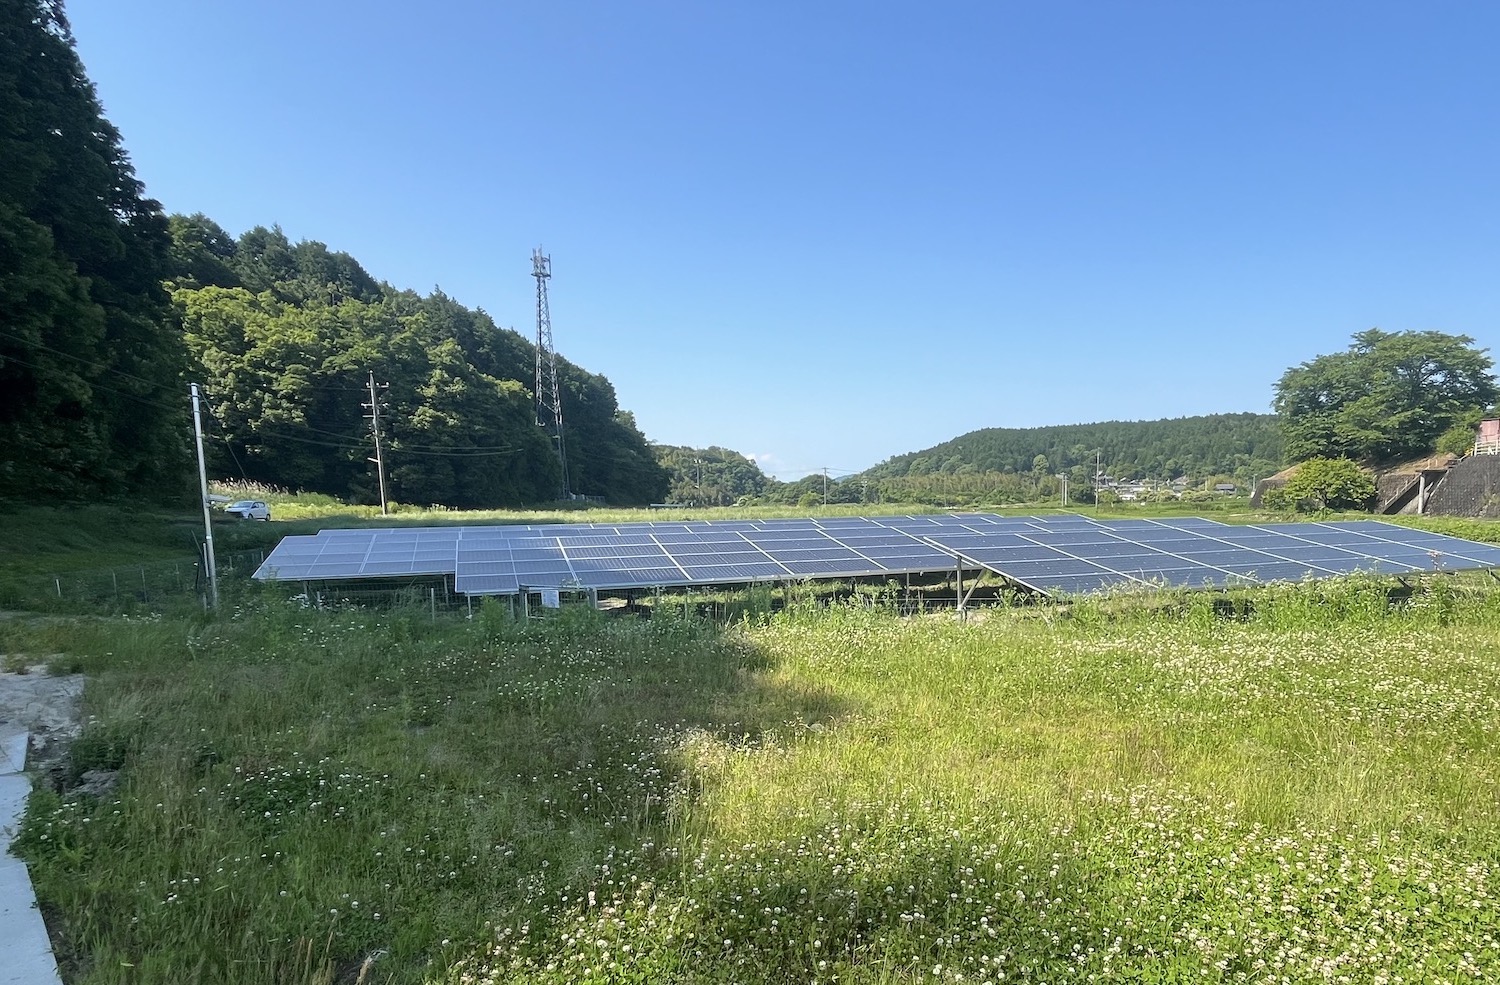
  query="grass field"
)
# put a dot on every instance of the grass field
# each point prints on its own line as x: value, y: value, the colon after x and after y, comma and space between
x: 1305, y: 790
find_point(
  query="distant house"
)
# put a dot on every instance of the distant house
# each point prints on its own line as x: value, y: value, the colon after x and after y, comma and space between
x: 1228, y: 488
x: 1487, y: 438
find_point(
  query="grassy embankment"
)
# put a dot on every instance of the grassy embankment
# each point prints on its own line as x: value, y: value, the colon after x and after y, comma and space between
x: 1135, y: 793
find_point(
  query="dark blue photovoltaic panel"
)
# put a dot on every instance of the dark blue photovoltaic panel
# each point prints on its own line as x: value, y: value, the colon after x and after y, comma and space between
x: 814, y: 568
x: 1190, y: 523
x: 551, y: 552
x: 486, y: 567
x: 1182, y: 551
x: 620, y: 551
x: 1386, y: 566
x: 1436, y: 543
x: 635, y: 577
x: 832, y: 555
x: 486, y: 554
x: 1027, y: 570
x: 909, y: 549
x: 910, y: 564
x: 788, y: 543
x: 1316, y: 553
x: 1347, y: 565
x: 1130, y: 527
x: 1336, y: 538
x: 1412, y: 561
x: 1085, y: 584
x: 1251, y: 537
x: 1098, y: 552
x: 285, y: 572
x: 734, y: 572
x: 1076, y: 541
x: 617, y: 564
x: 964, y: 541
x: 723, y: 557
x: 1270, y: 570
x: 1008, y: 555
x: 861, y: 541
x: 386, y: 568
x: 1479, y: 555
x: 673, y: 541
x: 341, y: 559
x: 1166, y: 539
x: 1204, y: 578
x: 486, y: 585
x: 301, y: 544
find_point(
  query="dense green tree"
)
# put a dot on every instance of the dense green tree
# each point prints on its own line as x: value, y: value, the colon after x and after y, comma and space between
x: 464, y: 436
x: 90, y: 358
x: 1245, y: 445
x: 266, y: 260
x: 287, y: 359
x: 710, y: 476
x: 1325, y: 484
x: 608, y: 457
x: 1387, y: 398
x: 203, y: 254
x: 1459, y: 438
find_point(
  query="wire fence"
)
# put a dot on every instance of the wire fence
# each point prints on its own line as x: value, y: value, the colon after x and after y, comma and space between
x: 147, y: 583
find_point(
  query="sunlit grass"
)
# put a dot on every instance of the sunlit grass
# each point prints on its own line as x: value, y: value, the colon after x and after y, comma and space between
x: 1128, y: 791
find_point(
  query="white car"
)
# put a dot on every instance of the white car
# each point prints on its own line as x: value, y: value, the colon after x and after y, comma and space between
x: 249, y: 509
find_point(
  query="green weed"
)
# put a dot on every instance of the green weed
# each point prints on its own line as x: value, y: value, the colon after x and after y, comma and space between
x: 1293, y: 784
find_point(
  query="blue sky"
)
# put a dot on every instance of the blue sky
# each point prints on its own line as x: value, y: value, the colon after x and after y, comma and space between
x: 823, y: 234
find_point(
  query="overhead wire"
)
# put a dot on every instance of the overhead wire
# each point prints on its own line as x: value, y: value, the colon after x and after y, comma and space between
x: 341, y: 442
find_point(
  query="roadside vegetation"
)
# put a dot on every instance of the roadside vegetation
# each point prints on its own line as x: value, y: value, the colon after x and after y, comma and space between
x: 1294, y: 784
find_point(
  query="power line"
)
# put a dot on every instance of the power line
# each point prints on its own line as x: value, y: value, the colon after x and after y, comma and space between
x: 95, y: 385
x: 105, y: 367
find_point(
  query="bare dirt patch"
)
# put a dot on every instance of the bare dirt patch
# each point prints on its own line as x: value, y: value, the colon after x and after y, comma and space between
x: 43, y: 704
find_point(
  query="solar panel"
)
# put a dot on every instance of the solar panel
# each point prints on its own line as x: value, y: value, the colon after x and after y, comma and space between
x: 720, y: 573
x: 1059, y: 553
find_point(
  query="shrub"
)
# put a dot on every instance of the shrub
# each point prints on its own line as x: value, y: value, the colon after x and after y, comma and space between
x: 1330, y: 484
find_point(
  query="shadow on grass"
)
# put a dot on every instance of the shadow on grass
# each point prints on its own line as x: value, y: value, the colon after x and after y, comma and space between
x: 379, y: 783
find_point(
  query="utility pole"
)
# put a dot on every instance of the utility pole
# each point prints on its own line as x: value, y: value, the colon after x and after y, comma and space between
x: 1098, y: 475
x: 1062, y: 478
x: 825, y: 485
x: 379, y: 459
x: 548, y: 394
x: 208, y: 520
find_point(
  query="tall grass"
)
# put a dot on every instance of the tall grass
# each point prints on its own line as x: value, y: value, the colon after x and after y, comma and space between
x: 1302, y: 791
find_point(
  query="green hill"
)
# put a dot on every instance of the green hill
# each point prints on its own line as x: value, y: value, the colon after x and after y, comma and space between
x: 1240, y: 445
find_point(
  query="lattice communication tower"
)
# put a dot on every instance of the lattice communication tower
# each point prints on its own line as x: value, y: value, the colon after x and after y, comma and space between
x: 548, y: 394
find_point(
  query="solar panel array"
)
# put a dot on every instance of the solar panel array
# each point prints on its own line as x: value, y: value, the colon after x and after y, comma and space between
x: 1063, y: 554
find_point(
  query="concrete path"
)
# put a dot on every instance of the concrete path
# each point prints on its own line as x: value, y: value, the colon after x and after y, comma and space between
x: 25, y: 953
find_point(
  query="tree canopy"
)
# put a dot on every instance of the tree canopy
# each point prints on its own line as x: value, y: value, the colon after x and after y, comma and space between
x: 91, y: 398
x: 1241, y: 445
x: 1389, y: 397
x: 287, y: 335
x: 710, y: 476
x: 1325, y: 484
